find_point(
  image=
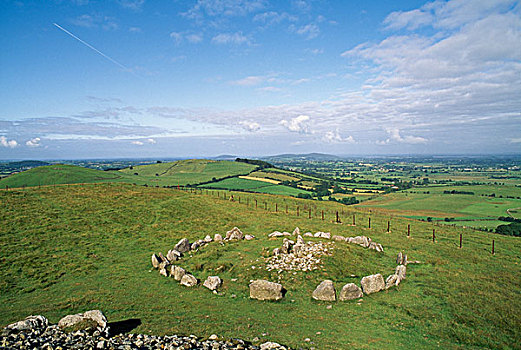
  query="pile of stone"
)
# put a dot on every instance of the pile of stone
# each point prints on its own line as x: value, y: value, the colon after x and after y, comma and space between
x: 325, y: 291
x: 298, y: 256
x: 35, y: 333
x: 363, y: 241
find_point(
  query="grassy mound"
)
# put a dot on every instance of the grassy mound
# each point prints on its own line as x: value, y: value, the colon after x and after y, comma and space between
x: 67, y: 249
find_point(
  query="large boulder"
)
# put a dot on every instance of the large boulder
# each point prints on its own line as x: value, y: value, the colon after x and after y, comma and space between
x: 372, y: 283
x: 350, y: 291
x: 300, y: 240
x: 188, y: 280
x: 207, y: 239
x: 212, y: 282
x: 234, y: 233
x: 271, y: 346
x: 217, y: 237
x: 296, y: 231
x: 249, y: 237
x: 156, y: 260
x: 89, y: 320
x: 325, y: 291
x: 265, y: 290
x: 30, y: 323
x: 177, y: 272
x: 338, y: 238
x: 276, y: 234
x: 173, y: 255
x: 182, y: 246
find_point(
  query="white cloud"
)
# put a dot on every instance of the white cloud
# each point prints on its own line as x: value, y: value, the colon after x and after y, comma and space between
x: 249, y: 125
x: 298, y: 124
x: 135, y: 30
x: 191, y: 37
x: 310, y: 31
x: 7, y: 143
x: 230, y: 38
x: 251, y: 80
x: 270, y: 89
x: 151, y: 141
x: 394, y: 135
x: 271, y: 18
x: 137, y: 143
x: 227, y: 8
x: 334, y: 137
x: 134, y: 5
x: 35, y: 142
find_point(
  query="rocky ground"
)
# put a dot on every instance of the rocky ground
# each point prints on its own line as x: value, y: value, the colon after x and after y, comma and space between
x: 35, y: 333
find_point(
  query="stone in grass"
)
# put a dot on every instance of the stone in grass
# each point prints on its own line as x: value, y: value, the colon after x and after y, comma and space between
x: 30, y: 323
x: 266, y: 290
x: 300, y: 240
x: 271, y: 346
x: 234, y: 233
x: 249, y: 237
x: 182, y: 246
x: 217, y: 237
x: 325, y: 291
x: 392, y: 280
x: 188, y: 280
x: 296, y: 231
x: 400, y: 271
x: 173, y: 255
x: 212, y: 282
x: 156, y: 260
x: 350, y: 291
x: 207, y: 239
x: 177, y: 272
x: 372, y: 283
x: 89, y: 320
x: 338, y: 238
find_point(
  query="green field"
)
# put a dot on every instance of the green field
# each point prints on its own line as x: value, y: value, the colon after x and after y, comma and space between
x: 183, y: 172
x: 67, y: 249
x: 471, y: 208
x: 238, y: 184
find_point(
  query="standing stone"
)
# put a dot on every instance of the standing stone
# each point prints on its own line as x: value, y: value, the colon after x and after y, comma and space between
x: 400, y: 271
x: 326, y: 235
x: 173, y: 255
x: 164, y: 271
x: 286, y: 246
x: 182, y: 246
x: 325, y: 291
x: 194, y: 246
x: 276, y: 251
x: 188, y: 280
x: 178, y: 273
x: 156, y: 260
x: 350, y: 291
x: 249, y: 237
x: 392, y: 280
x: 217, y: 237
x: 234, y: 233
x: 300, y: 240
x: 308, y: 234
x: 296, y: 231
x: 298, y: 249
x: 163, y: 258
x: 212, y: 282
x: 399, y: 259
x: 265, y: 290
x: 338, y: 238
x: 372, y: 283
x: 78, y: 320
x: 208, y: 239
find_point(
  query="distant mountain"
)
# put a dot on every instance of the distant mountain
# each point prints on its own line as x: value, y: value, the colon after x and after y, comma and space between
x: 225, y: 157
x: 308, y: 156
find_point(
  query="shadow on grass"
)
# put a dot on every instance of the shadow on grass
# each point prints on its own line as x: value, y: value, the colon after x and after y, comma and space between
x: 124, y: 326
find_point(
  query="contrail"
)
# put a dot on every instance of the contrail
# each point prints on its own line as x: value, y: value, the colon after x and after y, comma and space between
x: 92, y: 47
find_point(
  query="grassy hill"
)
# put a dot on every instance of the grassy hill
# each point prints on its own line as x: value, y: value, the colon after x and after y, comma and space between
x: 67, y: 249
x: 181, y: 173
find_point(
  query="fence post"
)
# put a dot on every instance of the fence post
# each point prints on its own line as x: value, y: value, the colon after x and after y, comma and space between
x: 255, y: 203
x: 309, y: 216
x: 369, y: 222
x: 337, y: 218
x: 354, y: 220
x: 388, y: 226
x: 433, y: 235
x: 286, y: 208
x: 460, y: 240
x: 265, y: 206
x: 322, y: 215
x: 276, y: 207
x: 493, y: 252
x: 298, y: 211
x: 408, y: 230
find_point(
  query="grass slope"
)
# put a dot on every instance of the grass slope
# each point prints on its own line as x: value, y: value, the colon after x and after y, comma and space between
x: 162, y: 174
x: 67, y: 249
x: 254, y: 186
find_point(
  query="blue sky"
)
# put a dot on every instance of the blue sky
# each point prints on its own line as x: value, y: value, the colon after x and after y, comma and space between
x: 138, y: 78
